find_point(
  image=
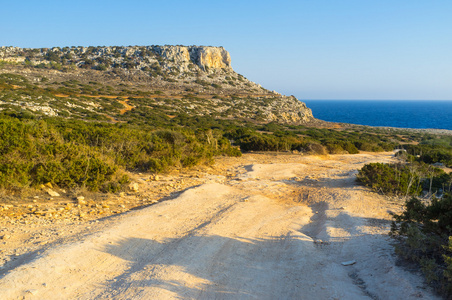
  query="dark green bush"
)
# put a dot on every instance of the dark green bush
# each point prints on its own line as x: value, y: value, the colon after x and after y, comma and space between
x: 334, y: 148
x: 369, y: 147
x: 431, y: 154
x: 350, y: 147
x: 34, y: 152
x: 440, y: 182
x: 424, y: 232
x: 70, y: 153
x: 190, y: 161
x: 395, y: 179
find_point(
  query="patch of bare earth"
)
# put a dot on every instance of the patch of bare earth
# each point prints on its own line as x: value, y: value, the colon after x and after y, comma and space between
x: 263, y: 226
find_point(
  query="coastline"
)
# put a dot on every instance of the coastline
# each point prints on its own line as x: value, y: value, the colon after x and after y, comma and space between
x: 420, y: 130
x: 432, y: 115
x: 328, y: 124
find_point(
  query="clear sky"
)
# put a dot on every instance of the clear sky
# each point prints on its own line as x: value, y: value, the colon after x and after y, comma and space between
x: 313, y: 49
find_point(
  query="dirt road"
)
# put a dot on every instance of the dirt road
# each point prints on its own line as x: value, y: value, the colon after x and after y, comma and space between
x: 270, y: 227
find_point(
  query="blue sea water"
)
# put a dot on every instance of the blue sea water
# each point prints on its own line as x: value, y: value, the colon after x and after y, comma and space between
x: 392, y: 113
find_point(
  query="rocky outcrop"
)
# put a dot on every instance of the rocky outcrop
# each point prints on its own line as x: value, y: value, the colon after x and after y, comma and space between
x: 201, y: 78
x: 204, y: 57
x: 180, y: 55
x: 212, y: 57
x: 289, y: 110
x: 141, y: 56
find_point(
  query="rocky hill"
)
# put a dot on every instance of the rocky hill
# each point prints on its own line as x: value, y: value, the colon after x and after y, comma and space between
x: 120, y: 83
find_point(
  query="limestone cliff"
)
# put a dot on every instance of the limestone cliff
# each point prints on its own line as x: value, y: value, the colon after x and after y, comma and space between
x: 181, y: 56
x: 192, y: 79
x: 210, y: 57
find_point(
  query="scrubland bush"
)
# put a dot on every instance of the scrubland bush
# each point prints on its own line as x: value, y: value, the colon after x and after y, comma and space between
x: 424, y: 232
x: 314, y: 148
x: 393, y: 179
x: 436, y: 152
x: 424, y: 228
x: 34, y: 153
x: 70, y: 153
x: 334, y: 148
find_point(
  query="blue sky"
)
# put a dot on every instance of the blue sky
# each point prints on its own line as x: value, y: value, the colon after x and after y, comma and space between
x: 314, y: 49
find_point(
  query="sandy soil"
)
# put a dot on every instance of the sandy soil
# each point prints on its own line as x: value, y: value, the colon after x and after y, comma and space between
x: 257, y: 227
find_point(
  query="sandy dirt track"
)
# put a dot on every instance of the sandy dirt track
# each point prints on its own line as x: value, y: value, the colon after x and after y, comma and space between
x: 279, y: 227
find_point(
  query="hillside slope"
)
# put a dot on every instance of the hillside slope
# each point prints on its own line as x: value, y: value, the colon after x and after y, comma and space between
x: 124, y: 83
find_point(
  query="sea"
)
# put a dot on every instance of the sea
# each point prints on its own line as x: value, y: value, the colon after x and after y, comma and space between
x: 423, y: 114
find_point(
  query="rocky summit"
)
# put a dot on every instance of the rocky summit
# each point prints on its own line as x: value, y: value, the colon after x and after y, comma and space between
x: 118, y: 83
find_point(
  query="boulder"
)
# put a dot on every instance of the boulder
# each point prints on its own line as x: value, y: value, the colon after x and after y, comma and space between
x: 52, y: 193
x: 81, y: 200
x: 133, y: 187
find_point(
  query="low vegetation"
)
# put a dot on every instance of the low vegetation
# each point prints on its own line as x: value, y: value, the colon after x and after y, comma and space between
x: 425, y: 235
x: 432, y: 151
x: 69, y: 152
x: 392, y: 179
x: 79, y: 134
x: 72, y: 153
x: 424, y: 228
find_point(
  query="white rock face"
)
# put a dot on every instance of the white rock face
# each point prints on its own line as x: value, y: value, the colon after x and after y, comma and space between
x: 179, y: 54
x: 203, y: 56
x: 212, y: 57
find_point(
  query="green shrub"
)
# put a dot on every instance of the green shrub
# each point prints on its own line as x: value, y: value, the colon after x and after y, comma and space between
x: 34, y: 153
x: 314, y: 148
x: 350, y: 147
x: 368, y: 146
x: 334, y: 148
x: 432, y: 153
x: 424, y: 232
x: 70, y: 153
x: 190, y: 161
x: 395, y: 179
